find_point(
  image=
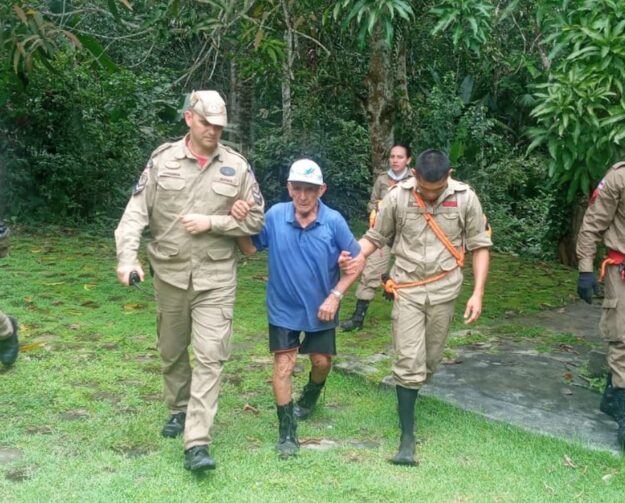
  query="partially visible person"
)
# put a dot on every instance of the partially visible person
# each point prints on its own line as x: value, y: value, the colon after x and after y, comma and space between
x: 430, y: 220
x: 9, y: 344
x: 304, y: 238
x: 185, y: 196
x: 604, y: 220
x: 378, y: 262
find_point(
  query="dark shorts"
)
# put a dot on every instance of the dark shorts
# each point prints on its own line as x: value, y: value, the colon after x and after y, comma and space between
x: 283, y: 339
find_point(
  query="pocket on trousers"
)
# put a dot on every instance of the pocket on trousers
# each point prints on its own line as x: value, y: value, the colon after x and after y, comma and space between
x: 612, y: 324
x: 226, y: 347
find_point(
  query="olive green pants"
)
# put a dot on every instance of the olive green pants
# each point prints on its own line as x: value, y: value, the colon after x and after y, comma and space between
x: 419, y: 335
x: 204, y: 321
x: 370, y: 279
x: 612, y: 324
x: 6, y: 329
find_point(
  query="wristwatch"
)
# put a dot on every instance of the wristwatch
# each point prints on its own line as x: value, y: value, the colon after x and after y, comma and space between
x: 337, y: 294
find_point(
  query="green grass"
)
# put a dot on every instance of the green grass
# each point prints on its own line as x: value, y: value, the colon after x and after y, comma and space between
x: 82, y: 407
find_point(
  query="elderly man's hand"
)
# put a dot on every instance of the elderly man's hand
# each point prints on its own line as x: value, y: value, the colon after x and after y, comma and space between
x: 328, y: 309
x: 240, y: 209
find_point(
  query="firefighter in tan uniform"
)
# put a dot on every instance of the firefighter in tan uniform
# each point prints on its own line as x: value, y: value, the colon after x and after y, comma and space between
x: 378, y: 262
x: 430, y: 220
x: 605, y: 220
x: 185, y: 195
x: 9, y: 345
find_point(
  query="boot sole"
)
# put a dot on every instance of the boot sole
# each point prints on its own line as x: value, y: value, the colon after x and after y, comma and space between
x: 403, y: 462
x: 200, y: 468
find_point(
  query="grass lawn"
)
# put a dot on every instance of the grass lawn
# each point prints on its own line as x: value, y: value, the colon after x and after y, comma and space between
x: 81, y: 411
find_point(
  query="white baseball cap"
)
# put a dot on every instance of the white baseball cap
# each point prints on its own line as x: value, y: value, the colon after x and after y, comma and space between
x: 305, y: 170
x: 210, y: 105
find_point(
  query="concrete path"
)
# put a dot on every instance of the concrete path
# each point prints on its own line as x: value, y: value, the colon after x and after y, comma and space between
x: 539, y: 391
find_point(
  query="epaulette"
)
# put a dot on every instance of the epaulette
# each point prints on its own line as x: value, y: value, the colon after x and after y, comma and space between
x: 407, y: 183
x: 161, y: 148
x: 460, y: 186
x: 232, y: 151
x: 618, y: 165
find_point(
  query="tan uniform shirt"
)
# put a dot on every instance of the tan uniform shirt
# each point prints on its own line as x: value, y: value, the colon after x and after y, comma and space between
x: 419, y: 254
x: 173, y: 185
x: 605, y: 217
x: 380, y: 188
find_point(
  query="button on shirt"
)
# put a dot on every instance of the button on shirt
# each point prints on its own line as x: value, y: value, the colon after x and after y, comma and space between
x: 303, y: 265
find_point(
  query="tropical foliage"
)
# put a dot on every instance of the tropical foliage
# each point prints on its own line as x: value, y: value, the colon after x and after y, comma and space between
x: 525, y: 95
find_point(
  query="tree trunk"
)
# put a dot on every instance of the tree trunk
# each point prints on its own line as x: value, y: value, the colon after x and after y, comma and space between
x: 568, y: 242
x: 287, y: 74
x: 240, y: 110
x: 380, y: 111
x: 401, y: 78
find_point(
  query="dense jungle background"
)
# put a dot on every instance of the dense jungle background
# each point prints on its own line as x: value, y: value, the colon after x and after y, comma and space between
x: 525, y: 95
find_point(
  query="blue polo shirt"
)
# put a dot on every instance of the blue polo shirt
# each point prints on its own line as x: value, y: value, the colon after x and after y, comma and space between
x: 303, y: 265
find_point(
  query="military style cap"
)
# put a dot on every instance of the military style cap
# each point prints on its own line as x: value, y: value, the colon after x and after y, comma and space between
x: 305, y: 170
x: 209, y: 105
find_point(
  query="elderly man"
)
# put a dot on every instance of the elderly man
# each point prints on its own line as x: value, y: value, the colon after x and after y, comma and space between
x: 304, y: 238
x: 429, y: 220
x: 185, y: 196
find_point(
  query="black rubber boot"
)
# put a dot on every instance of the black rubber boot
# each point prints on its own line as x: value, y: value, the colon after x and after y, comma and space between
x: 607, y: 400
x: 287, y: 445
x: 406, y: 399
x: 358, y: 318
x: 10, y: 347
x: 306, y: 402
x: 619, y: 415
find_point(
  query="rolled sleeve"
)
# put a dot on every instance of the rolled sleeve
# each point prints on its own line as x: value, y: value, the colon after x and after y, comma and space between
x: 476, y: 234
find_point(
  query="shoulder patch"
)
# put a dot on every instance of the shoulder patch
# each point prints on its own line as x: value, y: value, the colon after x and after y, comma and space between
x: 143, y: 180
x: 257, y: 195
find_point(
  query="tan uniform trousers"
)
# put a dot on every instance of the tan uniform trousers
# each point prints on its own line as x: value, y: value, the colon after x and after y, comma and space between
x: 612, y: 324
x: 370, y: 279
x: 6, y: 329
x: 204, y: 320
x: 419, y: 335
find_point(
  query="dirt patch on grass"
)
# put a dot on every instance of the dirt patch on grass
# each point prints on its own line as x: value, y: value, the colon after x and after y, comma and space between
x: 73, y: 415
x: 19, y: 474
x: 132, y: 451
x: 9, y: 454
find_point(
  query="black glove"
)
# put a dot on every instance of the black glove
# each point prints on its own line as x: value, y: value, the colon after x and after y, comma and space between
x: 387, y: 295
x: 586, y: 285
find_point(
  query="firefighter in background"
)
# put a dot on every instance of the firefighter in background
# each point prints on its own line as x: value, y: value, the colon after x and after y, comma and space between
x: 378, y: 263
x: 605, y: 221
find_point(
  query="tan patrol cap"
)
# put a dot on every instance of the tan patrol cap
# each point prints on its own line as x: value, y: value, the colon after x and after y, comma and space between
x: 209, y: 105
